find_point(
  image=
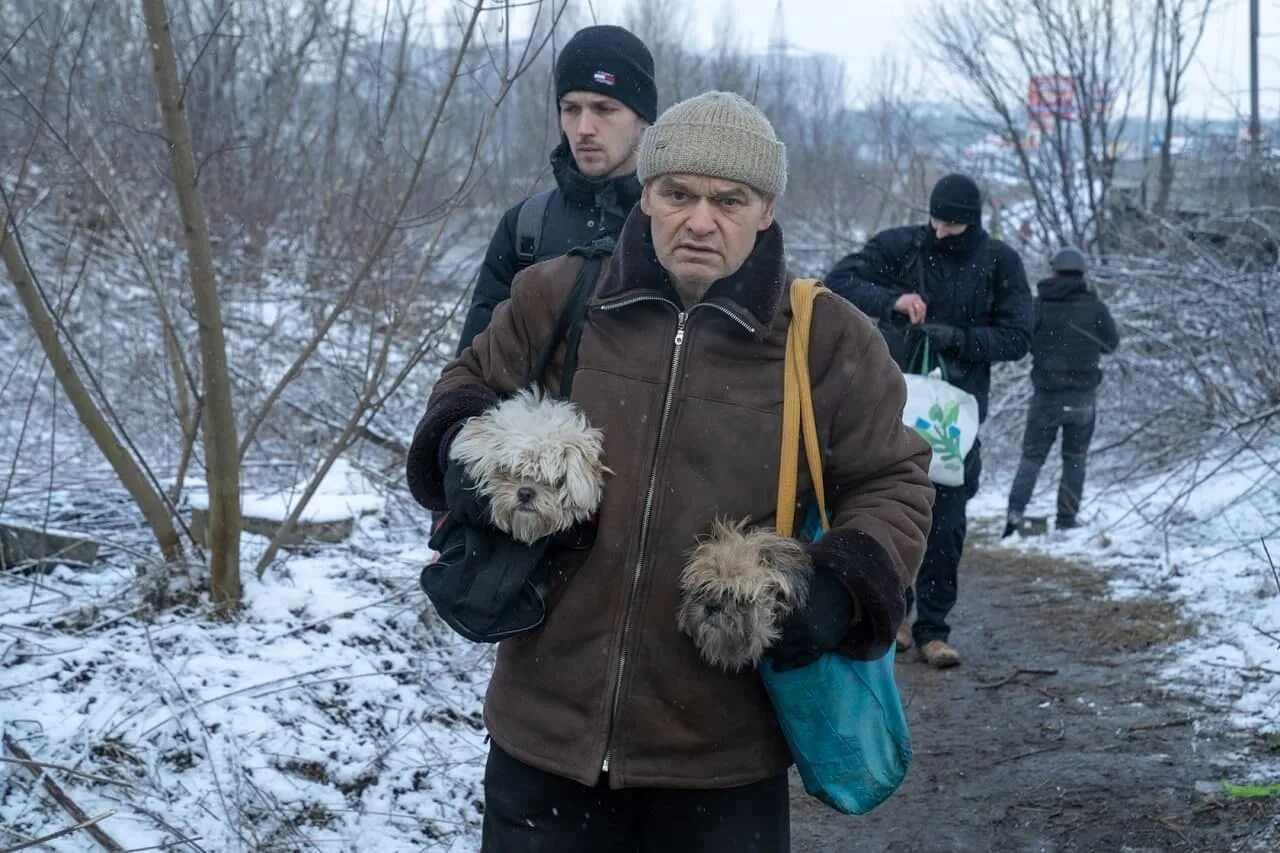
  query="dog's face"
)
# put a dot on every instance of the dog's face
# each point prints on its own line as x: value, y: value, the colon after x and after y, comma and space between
x: 738, y: 587
x: 537, y: 460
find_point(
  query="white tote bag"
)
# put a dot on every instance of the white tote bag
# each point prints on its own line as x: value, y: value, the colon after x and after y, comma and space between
x: 947, y: 418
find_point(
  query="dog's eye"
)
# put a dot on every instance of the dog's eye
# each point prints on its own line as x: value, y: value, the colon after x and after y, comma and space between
x: 560, y: 481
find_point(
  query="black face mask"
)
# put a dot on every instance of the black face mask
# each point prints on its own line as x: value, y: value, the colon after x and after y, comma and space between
x: 958, y: 246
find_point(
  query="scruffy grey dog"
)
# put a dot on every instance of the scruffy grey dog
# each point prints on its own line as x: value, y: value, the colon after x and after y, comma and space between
x: 537, y: 460
x: 738, y: 587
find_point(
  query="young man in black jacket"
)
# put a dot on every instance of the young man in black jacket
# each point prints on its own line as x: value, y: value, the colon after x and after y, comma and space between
x: 606, y: 97
x: 950, y: 283
x: 1073, y: 329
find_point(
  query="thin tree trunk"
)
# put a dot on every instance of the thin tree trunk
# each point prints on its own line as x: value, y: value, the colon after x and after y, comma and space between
x: 128, y: 471
x: 1166, y: 163
x: 188, y: 420
x: 409, y: 184
x: 221, y: 456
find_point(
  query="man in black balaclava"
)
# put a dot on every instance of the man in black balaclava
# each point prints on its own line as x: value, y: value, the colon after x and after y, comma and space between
x: 606, y: 97
x: 965, y: 292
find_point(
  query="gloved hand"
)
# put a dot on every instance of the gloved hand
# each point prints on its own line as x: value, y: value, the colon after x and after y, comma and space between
x: 818, y: 627
x: 948, y: 340
x: 463, y: 497
x: 580, y: 537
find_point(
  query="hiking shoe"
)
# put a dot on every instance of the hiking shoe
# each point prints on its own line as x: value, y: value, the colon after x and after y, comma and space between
x: 939, y: 655
x: 903, y: 639
x: 1066, y: 523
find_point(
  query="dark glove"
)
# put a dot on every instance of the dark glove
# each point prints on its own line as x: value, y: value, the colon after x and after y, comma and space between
x: 463, y: 497
x: 948, y: 340
x: 818, y: 628
x: 580, y: 537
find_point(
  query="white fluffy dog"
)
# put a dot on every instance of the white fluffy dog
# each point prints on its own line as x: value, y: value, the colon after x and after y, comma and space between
x: 738, y: 587
x: 537, y: 460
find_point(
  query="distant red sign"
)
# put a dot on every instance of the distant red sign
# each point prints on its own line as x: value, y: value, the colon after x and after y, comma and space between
x: 1051, y: 96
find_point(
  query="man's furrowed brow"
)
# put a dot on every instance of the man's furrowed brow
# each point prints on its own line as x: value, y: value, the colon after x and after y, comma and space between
x: 671, y: 183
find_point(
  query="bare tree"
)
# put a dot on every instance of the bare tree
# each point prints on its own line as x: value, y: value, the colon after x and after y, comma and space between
x: 336, y: 199
x: 1178, y: 26
x: 222, y: 458
x: 140, y: 487
x: 660, y: 24
x: 1073, y: 60
x: 902, y: 141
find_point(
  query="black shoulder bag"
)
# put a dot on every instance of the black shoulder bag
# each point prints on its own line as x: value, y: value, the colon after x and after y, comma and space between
x: 485, y: 585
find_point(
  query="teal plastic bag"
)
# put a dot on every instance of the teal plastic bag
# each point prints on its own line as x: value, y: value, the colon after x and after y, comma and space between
x: 844, y: 722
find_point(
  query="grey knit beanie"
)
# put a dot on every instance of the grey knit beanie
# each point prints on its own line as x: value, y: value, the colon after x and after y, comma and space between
x: 1068, y: 259
x: 718, y: 135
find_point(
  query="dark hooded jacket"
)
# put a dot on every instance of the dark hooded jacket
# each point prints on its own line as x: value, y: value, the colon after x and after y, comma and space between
x: 581, y: 209
x: 974, y: 282
x: 1073, y: 329
x: 690, y: 404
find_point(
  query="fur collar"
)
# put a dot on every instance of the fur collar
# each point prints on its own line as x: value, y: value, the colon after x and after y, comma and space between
x: 754, y: 292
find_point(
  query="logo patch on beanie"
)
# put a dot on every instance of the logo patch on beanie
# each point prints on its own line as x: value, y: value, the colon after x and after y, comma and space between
x: 605, y: 77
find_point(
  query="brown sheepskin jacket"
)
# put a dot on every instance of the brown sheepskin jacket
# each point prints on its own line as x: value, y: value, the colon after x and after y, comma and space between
x: 690, y: 406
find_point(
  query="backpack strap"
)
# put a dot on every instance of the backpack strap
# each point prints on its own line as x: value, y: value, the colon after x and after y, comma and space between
x: 573, y: 316
x: 529, y: 227
x: 576, y: 311
x: 913, y: 258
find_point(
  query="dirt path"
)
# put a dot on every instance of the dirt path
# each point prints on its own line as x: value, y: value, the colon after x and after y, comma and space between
x: 1094, y: 757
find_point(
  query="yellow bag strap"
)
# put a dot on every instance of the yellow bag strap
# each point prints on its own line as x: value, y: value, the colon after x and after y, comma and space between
x: 797, y: 411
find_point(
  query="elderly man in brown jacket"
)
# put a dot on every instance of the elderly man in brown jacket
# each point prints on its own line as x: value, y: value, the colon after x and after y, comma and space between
x: 609, y: 730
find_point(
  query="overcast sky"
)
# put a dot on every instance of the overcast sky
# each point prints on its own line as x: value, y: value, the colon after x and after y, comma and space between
x: 861, y: 31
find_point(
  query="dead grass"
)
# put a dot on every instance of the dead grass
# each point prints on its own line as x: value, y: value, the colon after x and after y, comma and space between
x: 1074, y: 598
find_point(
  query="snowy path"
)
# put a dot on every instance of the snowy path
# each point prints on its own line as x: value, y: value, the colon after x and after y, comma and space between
x: 1097, y: 756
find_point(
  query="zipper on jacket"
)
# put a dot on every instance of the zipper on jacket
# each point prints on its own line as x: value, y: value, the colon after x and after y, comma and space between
x: 676, y: 351
x: 732, y: 316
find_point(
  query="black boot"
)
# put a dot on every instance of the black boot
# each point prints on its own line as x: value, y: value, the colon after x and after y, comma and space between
x: 1012, y: 523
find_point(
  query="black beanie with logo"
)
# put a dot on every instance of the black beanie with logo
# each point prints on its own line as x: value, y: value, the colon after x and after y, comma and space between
x: 956, y: 198
x: 610, y: 61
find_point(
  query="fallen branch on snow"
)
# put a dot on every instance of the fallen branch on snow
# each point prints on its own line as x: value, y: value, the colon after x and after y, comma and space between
x: 84, y: 822
x: 66, y: 830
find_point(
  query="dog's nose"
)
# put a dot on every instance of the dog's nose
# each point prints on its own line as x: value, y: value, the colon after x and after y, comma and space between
x: 526, y: 495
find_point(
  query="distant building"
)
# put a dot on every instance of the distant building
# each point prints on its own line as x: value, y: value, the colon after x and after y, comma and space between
x: 1212, y: 174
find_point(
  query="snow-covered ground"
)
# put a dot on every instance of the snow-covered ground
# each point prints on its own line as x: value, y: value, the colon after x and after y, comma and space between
x: 327, y: 716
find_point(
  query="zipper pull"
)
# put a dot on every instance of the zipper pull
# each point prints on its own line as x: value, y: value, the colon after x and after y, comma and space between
x: 684, y: 315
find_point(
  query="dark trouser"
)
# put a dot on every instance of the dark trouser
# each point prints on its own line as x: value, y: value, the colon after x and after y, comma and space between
x: 1074, y: 412
x: 529, y: 811
x: 936, y: 584
x: 934, y: 593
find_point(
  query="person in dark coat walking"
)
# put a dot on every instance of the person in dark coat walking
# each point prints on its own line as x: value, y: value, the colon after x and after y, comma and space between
x: 1073, y: 329
x: 606, y: 97
x: 965, y: 292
